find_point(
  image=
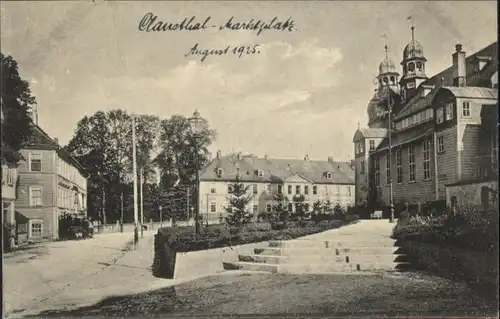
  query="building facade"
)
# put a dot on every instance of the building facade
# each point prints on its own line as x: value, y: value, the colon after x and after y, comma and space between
x: 51, y: 183
x: 436, y: 129
x: 266, y: 177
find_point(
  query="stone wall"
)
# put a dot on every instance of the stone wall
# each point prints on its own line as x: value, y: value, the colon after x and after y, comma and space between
x: 469, y: 193
x: 476, y: 268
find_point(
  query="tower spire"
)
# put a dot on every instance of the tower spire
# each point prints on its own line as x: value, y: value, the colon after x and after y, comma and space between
x: 410, y: 18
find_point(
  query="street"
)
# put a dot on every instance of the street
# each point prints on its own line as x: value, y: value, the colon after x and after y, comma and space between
x: 58, y: 272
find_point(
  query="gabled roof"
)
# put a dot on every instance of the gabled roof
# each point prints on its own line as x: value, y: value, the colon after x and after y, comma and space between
x: 369, y: 133
x: 474, y: 78
x: 277, y: 170
x: 42, y: 141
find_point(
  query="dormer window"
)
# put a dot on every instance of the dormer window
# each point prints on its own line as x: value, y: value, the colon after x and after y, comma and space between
x: 328, y: 175
x: 260, y: 173
x: 220, y: 171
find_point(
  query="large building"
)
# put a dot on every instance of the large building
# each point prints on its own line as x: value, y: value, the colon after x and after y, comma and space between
x: 440, y: 136
x: 316, y: 180
x: 51, y: 182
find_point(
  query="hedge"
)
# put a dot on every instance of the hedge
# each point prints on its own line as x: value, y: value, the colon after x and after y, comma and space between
x: 169, y: 241
x: 469, y: 229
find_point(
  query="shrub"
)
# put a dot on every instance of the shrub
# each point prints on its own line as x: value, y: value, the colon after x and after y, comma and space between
x: 468, y: 228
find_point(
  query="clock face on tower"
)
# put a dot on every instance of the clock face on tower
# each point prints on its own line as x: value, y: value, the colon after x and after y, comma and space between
x: 410, y: 85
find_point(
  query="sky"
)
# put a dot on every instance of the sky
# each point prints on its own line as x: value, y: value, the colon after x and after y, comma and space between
x: 304, y: 93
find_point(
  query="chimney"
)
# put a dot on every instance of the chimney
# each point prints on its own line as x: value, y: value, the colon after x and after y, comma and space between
x: 219, y: 154
x: 306, y: 158
x: 56, y: 140
x: 330, y: 159
x: 240, y: 155
x: 459, y: 68
x: 266, y: 157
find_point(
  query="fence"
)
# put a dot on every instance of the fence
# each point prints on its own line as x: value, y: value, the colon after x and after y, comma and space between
x: 129, y: 227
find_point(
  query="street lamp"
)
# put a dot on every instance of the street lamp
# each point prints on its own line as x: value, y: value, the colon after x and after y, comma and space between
x: 196, y: 123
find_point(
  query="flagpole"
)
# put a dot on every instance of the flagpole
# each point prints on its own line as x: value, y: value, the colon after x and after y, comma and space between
x: 134, y: 169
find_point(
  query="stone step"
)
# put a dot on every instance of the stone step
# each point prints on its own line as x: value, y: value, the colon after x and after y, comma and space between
x: 389, y: 266
x: 277, y: 259
x: 331, y: 243
x: 317, y: 268
x: 313, y: 251
x: 249, y: 266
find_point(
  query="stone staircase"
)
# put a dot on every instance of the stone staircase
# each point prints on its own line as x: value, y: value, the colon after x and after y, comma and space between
x: 344, y: 254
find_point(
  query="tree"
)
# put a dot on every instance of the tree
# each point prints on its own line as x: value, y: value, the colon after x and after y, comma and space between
x: 280, y: 208
x: 339, y: 211
x: 17, y: 101
x: 237, y: 212
x: 301, y: 207
x: 178, y: 145
x: 318, y: 207
x: 327, y: 207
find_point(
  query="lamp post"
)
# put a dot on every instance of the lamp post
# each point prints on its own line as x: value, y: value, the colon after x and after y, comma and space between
x: 196, y: 123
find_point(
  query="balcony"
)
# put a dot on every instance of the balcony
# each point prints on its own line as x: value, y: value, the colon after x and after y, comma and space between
x: 9, y: 180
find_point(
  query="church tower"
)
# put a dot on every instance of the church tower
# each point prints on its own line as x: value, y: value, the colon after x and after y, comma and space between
x: 386, y: 91
x: 413, y: 68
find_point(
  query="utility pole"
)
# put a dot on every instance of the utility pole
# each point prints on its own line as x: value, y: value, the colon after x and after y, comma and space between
x: 134, y: 168
x: 391, y: 203
x: 121, y: 215
x: 142, y: 202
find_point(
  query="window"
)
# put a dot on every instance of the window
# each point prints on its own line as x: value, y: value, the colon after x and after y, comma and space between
x: 269, y: 208
x: 372, y: 145
x: 297, y: 189
x: 449, y: 111
x: 326, y: 190
x: 306, y: 189
x: 229, y: 189
x: 411, y: 162
x: 440, y: 144
x: 35, y: 162
x: 268, y: 188
x: 387, y: 168
x: 36, y: 228
x: 261, y: 173
x: 213, y: 207
x: 220, y: 171
x: 427, y: 160
x: 238, y: 171
x: 255, y: 209
x: 338, y: 190
x: 280, y: 189
x: 362, y: 167
x: 419, y: 66
x: 349, y: 191
x: 212, y: 189
x: 429, y: 113
x: 377, y: 171
x: 329, y: 175
x: 255, y: 190
x: 466, y: 109
x: 399, y: 166
x: 315, y: 190
x: 411, y: 67
x: 289, y: 189
x: 439, y: 115
x: 290, y: 207
x: 35, y: 196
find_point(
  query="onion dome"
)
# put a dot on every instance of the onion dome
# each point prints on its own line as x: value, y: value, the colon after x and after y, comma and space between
x: 387, y: 66
x: 413, y: 49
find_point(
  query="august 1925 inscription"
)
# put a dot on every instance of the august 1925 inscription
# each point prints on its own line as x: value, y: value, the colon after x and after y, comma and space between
x: 151, y: 23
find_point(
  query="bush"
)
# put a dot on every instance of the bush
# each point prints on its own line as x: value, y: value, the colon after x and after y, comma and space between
x: 469, y: 228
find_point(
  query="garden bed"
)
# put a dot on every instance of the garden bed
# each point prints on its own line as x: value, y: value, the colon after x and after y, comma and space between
x: 170, y: 241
